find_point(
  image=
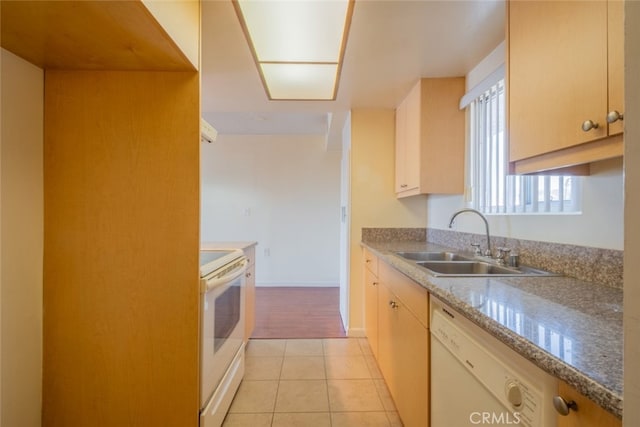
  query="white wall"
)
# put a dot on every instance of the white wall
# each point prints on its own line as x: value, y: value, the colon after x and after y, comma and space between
x: 22, y: 241
x: 284, y: 193
x: 631, y: 416
x: 600, y: 224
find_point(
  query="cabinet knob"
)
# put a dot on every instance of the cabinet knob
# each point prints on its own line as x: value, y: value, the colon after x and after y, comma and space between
x: 614, y: 116
x: 393, y: 304
x: 247, y: 275
x: 513, y: 393
x: 588, y: 125
x: 404, y: 185
x: 374, y: 283
x: 562, y: 406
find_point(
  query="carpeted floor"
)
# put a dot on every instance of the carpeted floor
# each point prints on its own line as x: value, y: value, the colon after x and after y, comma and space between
x: 298, y: 312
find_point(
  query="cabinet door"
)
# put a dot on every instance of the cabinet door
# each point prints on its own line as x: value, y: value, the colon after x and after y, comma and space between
x: 411, y: 355
x: 408, y: 142
x: 401, y: 142
x: 371, y: 310
x: 250, y: 303
x: 557, y: 75
x: 403, y: 357
x: 413, y: 135
x: 615, y: 31
x: 387, y: 324
x: 589, y: 414
x: 250, y: 294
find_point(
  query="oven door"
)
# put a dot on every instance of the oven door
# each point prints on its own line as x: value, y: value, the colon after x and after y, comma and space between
x: 222, y: 326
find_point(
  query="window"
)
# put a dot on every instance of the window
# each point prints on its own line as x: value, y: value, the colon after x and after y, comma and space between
x: 493, y: 191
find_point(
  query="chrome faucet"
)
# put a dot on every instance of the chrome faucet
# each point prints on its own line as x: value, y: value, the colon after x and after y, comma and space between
x: 487, y: 252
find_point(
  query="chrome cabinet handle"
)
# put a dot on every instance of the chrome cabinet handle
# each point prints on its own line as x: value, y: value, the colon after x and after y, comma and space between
x: 588, y: 125
x: 562, y: 406
x: 614, y: 116
x: 393, y: 304
x: 403, y: 185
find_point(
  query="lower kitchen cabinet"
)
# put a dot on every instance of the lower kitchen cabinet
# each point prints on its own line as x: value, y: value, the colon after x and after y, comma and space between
x: 371, y: 301
x: 250, y: 293
x: 587, y: 413
x: 403, y: 354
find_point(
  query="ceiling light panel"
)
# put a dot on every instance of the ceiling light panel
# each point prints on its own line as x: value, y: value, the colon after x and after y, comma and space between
x: 300, y: 81
x: 297, y: 45
x: 295, y: 31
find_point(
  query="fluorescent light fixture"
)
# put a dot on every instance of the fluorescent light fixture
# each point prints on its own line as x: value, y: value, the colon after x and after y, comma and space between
x: 298, y: 45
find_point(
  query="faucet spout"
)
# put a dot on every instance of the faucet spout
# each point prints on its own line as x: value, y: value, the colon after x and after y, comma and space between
x: 487, y: 252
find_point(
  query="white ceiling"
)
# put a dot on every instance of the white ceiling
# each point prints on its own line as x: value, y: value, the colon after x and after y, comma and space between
x: 391, y: 44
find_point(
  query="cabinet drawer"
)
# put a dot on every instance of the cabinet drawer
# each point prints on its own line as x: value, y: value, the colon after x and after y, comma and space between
x: 370, y: 261
x: 250, y: 253
x: 414, y: 296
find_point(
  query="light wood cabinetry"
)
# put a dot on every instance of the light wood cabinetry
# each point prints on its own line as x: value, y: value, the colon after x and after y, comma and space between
x: 371, y: 284
x: 121, y: 212
x: 587, y: 413
x: 430, y: 139
x: 250, y: 293
x: 403, y: 344
x: 91, y: 35
x: 121, y: 247
x: 565, y: 67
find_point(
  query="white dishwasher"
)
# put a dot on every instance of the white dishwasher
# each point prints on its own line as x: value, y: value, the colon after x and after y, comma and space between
x: 477, y: 380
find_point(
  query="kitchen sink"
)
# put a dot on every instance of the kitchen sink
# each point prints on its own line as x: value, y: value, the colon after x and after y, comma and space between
x: 467, y: 268
x: 452, y: 264
x: 472, y: 268
x: 433, y: 256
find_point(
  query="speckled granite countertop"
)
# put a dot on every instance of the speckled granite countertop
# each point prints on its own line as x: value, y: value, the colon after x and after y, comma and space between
x: 568, y: 327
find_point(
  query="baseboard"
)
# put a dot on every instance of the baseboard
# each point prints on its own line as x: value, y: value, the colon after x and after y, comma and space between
x: 356, y: 333
x: 298, y: 285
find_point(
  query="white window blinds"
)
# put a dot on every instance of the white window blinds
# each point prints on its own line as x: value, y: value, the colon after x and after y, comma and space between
x: 495, y: 192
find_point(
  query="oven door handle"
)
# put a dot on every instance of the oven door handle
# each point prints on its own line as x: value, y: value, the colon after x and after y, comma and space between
x: 211, y: 284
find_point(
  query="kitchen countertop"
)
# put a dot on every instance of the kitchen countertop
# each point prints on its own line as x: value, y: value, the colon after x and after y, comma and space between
x: 226, y: 245
x: 568, y: 327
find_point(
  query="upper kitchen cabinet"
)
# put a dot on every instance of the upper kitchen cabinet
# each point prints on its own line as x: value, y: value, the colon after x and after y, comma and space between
x: 430, y: 138
x: 565, y: 83
x: 103, y: 35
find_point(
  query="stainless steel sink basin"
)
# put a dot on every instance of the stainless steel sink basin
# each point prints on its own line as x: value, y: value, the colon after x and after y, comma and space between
x: 467, y: 268
x: 452, y: 264
x: 472, y: 268
x: 433, y: 256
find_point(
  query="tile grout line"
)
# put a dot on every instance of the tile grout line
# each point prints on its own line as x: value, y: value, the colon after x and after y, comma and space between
x: 326, y: 382
x: 275, y: 402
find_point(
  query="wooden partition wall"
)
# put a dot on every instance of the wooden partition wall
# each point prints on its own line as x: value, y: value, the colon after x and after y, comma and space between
x: 121, y: 185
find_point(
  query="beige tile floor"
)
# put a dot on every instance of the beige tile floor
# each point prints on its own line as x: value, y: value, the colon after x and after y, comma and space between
x: 311, y: 383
